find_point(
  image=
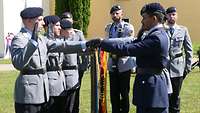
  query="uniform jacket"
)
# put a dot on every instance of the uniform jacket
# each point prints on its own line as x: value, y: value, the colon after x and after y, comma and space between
x: 83, y: 59
x: 56, y: 76
x: 150, y: 90
x: 34, y: 89
x: 71, y: 75
x: 126, y: 29
x: 180, y: 43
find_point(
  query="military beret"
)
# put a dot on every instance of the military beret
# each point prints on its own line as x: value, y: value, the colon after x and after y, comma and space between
x: 66, y: 24
x: 115, y: 8
x: 151, y: 8
x: 66, y: 15
x: 171, y: 10
x: 31, y: 12
x: 51, y: 19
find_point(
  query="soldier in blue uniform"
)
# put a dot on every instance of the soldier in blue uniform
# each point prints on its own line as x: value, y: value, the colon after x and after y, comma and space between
x: 150, y: 88
x: 180, y: 53
x: 119, y: 66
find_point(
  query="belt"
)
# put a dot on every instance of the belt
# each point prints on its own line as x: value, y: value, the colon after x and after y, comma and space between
x: 69, y: 67
x: 178, y: 55
x: 33, y: 72
x: 54, y: 69
x: 148, y: 71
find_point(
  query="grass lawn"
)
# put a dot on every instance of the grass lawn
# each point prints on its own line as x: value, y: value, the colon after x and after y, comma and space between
x: 190, y: 93
x: 5, y: 61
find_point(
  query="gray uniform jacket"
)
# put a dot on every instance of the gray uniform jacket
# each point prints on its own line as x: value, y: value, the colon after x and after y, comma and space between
x: 125, y: 63
x: 56, y: 76
x: 29, y: 57
x: 180, y: 51
x: 70, y: 65
x: 83, y: 59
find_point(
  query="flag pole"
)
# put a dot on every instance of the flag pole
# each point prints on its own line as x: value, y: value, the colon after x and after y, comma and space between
x: 94, y: 82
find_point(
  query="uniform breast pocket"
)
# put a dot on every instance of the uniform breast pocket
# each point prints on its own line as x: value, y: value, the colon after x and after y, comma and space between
x: 178, y: 42
x: 52, y: 75
x: 29, y: 80
x: 30, y: 85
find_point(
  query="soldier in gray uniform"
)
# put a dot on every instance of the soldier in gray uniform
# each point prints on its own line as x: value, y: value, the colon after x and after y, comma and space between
x: 55, y: 74
x: 82, y: 60
x: 29, y: 55
x: 70, y: 66
x: 180, y: 53
x: 119, y: 66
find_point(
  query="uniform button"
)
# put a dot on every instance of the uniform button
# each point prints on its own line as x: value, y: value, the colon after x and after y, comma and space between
x: 143, y: 82
x: 26, y: 83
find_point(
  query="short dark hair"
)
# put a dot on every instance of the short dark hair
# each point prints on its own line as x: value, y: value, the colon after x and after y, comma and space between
x: 154, y: 9
x: 51, y: 19
x: 115, y: 8
x: 66, y: 15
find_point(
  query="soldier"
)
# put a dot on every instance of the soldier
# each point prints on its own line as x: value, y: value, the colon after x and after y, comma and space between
x: 150, y: 88
x: 67, y: 16
x: 70, y: 66
x: 82, y: 60
x: 180, y: 53
x: 55, y: 74
x: 29, y: 56
x: 119, y: 66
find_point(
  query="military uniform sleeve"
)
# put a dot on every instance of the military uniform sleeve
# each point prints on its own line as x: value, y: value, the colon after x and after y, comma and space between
x: 83, y: 59
x: 131, y: 30
x: 21, y: 51
x: 82, y: 38
x: 145, y: 47
x: 107, y: 29
x: 187, y: 44
x: 66, y: 46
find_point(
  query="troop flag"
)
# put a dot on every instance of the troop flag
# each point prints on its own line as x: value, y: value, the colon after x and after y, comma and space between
x: 102, y: 82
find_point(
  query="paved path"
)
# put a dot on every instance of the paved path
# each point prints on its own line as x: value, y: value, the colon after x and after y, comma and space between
x: 6, y: 67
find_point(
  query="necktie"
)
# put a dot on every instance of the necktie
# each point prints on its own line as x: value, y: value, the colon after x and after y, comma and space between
x: 115, y: 27
x: 171, y: 30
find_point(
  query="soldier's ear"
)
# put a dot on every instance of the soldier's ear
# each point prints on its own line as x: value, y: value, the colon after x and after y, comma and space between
x: 155, y: 18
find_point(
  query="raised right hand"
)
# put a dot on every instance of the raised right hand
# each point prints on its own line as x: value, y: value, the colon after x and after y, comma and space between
x: 35, y: 32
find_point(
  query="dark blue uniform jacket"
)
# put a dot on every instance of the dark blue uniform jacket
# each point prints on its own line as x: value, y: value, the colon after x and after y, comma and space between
x: 152, y: 52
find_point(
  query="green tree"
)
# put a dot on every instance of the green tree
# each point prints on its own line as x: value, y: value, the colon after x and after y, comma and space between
x: 86, y: 15
x: 80, y: 10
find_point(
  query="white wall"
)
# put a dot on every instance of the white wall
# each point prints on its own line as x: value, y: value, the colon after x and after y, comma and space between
x: 11, y: 15
x: 1, y: 30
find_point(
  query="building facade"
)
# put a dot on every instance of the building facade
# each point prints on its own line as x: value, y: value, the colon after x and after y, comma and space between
x: 11, y: 22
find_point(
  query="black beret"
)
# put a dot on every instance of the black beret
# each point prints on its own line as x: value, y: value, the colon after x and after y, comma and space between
x: 51, y: 19
x: 66, y: 15
x: 151, y: 8
x: 115, y: 8
x: 171, y: 10
x: 31, y: 12
x: 66, y: 24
